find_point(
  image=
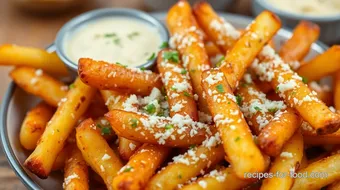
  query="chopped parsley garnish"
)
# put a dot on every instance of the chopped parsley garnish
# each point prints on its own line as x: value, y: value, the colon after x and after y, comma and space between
x: 133, y: 34
x: 192, y: 146
x: 134, y: 122
x: 304, y: 80
x: 116, y: 41
x: 128, y: 169
x: 169, y: 126
x: 104, y: 130
x: 245, y: 84
x: 173, y: 88
x: 109, y: 35
x: 257, y: 108
x: 237, y: 139
x: 171, y: 56
x: 179, y: 176
x: 71, y: 86
x: 238, y: 100
x: 142, y: 68
x: 183, y: 72
x: 186, y: 94
x: 273, y: 110
x: 164, y: 45
x: 152, y: 57
x: 150, y: 108
x: 293, y: 93
x: 228, y: 102
x: 277, y: 89
x: 219, y: 63
x: 117, y: 63
x: 220, y: 88
x: 163, y: 90
x: 192, y: 70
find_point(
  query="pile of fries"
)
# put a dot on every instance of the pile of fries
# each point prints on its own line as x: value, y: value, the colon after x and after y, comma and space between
x: 223, y: 110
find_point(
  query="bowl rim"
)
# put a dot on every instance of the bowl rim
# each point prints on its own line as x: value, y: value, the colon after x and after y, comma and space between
x: 90, y: 16
x: 8, y: 150
x: 281, y: 13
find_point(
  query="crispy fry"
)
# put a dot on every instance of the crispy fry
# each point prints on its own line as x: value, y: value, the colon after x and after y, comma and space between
x: 284, y: 164
x: 324, y: 93
x: 181, y: 131
x: 328, y: 170
x: 115, y: 100
x: 334, y: 186
x: 222, y: 33
x: 76, y: 172
x: 97, y: 153
x: 59, y: 128
x: 189, y: 42
x: 211, y: 49
x: 140, y: 168
x: 34, y: 125
x: 295, y: 93
x: 322, y: 65
x: 32, y: 57
x: 106, y: 76
x: 237, y: 140
x: 310, y: 136
x: 40, y: 84
x: 173, y: 75
x: 59, y: 162
x: 275, y: 135
x: 185, y: 167
x: 336, y: 79
x: 298, y: 45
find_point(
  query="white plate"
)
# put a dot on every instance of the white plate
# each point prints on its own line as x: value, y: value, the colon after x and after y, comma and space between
x: 17, y: 102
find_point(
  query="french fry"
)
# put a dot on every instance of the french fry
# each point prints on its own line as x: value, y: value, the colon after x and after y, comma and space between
x: 334, y: 186
x: 97, y: 153
x: 186, y: 166
x: 325, y: 171
x: 323, y: 92
x: 115, y: 100
x: 298, y: 45
x: 38, y: 83
x: 284, y: 164
x: 173, y: 75
x: 336, y: 79
x: 32, y: 57
x: 141, y: 166
x: 279, y: 130
x: 321, y: 65
x: 223, y: 34
x: 106, y: 76
x: 310, y: 136
x: 76, y: 174
x: 238, y: 143
x: 34, y: 125
x: 180, y: 131
x: 184, y: 37
x: 295, y: 93
x: 224, y: 179
x: 59, y: 162
x: 211, y: 49
x: 59, y: 128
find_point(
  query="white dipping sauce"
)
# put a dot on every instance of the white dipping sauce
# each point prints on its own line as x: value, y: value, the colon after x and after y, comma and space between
x: 308, y: 7
x: 125, y: 40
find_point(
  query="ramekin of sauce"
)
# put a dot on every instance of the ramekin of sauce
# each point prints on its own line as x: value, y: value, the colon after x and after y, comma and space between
x: 125, y: 36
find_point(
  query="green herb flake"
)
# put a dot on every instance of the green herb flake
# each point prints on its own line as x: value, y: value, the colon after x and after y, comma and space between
x: 183, y: 72
x: 106, y: 130
x: 117, y: 63
x: 257, y: 108
x: 273, y: 110
x: 186, y: 94
x: 128, y: 169
x: 134, y: 122
x: 304, y: 80
x: 192, y: 70
x: 173, y: 88
x: 71, y: 86
x: 179, y: 176
x: 228, y: 102
x: 132, y: 35
x: 116, y: 41
x: 244, y: 84
x: 142, y: 69
x: 171, y: 56
x: 219, y: 63
x: 192, y: 146
x: 238, y: 99
x: 109, y: 35
x: 237, y: 139
x: 150, y: 108
x: 164, y: 45
x: 58, y: 130
x: 152, y: 57
x: 169, y: 126
x: 277, y: 89
x: 220, y: 88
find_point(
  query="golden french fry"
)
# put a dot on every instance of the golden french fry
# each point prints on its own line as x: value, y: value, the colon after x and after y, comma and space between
x: 140, y: 168
x: 159, y: 130
x: 319, y: 174
x: 97, y: 153
x: 223, y: 34
x: 76, y: 174
x: 186, y: 166
x: 211, y: 49
x: 34, y: 125
x: 127, y: 147
x: 336, y: 79
x: 32, y: 57
x: 324, y: 93
x: 189, y: 42
x: 106, y: 76
x: 279, y: 130
x: 238, y: 143
x: 38, y: 83
x: 177, y: 84
x: 298, y: 45
x: 59, y: 162
x: 223, y: 179
x: 285, y: 165
x: 295, y: 93
x: 310, y: 136
x: 322, y: 65
x: 59, y: 128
